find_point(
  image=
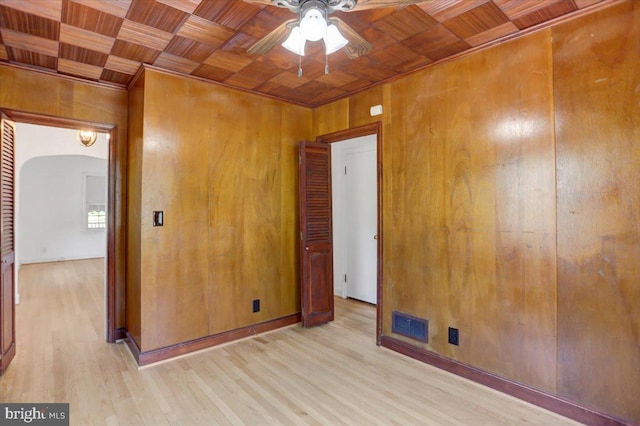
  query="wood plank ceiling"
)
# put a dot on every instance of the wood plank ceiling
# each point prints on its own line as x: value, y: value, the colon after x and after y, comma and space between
x: 108, y: 40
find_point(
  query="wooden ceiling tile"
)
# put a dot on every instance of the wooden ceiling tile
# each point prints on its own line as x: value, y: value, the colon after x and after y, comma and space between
x: 447, y: 9
x: 357, y: 85
x: 289, y: 80
x: 315, y: 90
x: 50, y: 9
x: 32, y: 58
x: 190, y: 49
x: 80, y: 54
x: 117, y: 8
x: 90, y: 19
x: 175, y: 63
x: 586, y: 3
x: 517, y: 8
x: 88, y: 39
x: 399, y: 58
x: 239, y: 43
x: 80, y: 69
x: 434, y: 42
x: 135, y: 32
x: 263, y: 23
x: 253, y: 75
x: 493, y: 34
x: 477, y: 20
x: 122, y: 65
x: 184, y: 5
x: 210, y: 9
x: 365, y: 68
x: 227, y: 61
x: 405, y: 23
x: 157, y: 15
x: 29, y: 23
x: 134, y: 52
x: 29, y: 42
x: 337, y: 78
x: 279, y: 57
x: 205, y: 31
x: 211, y: 72
x: 115, y: 77
x: 231, y: 14
x: 545, y: 14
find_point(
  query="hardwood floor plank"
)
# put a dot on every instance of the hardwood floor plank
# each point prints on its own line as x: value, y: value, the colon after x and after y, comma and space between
x: 328, y: 375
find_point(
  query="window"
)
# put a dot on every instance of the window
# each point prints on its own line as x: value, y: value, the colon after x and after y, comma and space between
x: 95, y: 205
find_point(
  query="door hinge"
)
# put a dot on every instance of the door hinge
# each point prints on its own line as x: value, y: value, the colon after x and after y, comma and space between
x: 301, y: 236
x: 299, y: 159
x: 345, y: 170
x: 345, y: 278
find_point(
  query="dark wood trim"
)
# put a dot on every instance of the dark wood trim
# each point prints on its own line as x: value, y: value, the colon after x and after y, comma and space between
x: 133, y: 346
x: 374, y: 128
x: 121, y: 333
x: 8, y: 356
x: 111, y: 129
x: 155, y: 355
x: 541, y: 399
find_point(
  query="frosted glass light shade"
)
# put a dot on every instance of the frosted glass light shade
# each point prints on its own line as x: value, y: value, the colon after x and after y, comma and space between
x: 313, y: 25
x: 295, y: 42
x: 334, y: 41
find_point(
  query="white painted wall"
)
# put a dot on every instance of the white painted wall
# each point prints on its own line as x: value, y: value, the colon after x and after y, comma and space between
x: 43, y: 175
x: 339, y: 151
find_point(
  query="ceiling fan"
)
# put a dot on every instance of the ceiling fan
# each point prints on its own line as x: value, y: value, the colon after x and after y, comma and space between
x: 313, y: 23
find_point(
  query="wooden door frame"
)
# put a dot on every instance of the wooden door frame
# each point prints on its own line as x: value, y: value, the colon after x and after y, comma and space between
x: 111, y: 129
x: 355, y: 132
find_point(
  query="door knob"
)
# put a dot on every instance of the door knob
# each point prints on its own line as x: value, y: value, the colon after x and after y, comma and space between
x: 375, y: 237
x: 306, y: 248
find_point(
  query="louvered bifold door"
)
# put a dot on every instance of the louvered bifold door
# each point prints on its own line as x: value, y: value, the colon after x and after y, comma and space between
x: 316, y: 245
x: 7, y: 290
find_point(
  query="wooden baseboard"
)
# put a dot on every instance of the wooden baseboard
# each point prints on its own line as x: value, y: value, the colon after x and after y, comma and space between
x: 120, y: 333
x: 541, y: 399
x: 155, y: 355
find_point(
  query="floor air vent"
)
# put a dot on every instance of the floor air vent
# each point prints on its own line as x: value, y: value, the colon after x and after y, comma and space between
x: 410, y: 326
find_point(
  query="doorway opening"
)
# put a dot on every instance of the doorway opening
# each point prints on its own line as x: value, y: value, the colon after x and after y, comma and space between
x: 360, y: 149
x: 60, y: 206
x: 108, y: 221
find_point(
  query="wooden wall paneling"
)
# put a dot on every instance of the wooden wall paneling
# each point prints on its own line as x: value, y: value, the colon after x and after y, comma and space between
x: 361, y: 103
x: 472, y: 218
x: 174, y: 259
x: 134, y: 210
x: 44, y: 94
x: 331, y: 117
x: 597, y: 94
x: 245, y: 189
x: 296, y: 126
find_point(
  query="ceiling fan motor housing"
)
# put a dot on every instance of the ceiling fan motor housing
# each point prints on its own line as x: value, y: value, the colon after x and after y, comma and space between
x: 297, y: 6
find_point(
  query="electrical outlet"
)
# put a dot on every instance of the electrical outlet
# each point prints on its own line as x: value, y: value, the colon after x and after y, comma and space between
x: 454, y: 336
x: 256, y: 305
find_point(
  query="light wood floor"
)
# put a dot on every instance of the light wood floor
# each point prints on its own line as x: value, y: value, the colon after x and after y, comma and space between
x: 328, y: 375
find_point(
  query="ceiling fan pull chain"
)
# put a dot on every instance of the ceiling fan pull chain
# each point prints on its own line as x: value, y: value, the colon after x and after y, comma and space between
x: 326, y: 37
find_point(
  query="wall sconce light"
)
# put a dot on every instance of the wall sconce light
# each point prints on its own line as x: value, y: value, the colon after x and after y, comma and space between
x: 87, y: 137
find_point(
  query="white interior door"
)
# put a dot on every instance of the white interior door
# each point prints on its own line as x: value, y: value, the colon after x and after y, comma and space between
x: 362, y: 225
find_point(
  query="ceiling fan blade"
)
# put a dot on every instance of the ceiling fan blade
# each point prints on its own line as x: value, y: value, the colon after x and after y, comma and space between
x: 357, y: 45
x: 266, y: 2
x: 372, y: 4
x: 272, y: 39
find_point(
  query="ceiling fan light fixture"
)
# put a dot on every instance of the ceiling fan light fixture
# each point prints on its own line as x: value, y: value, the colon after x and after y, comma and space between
x: 87, y: 137
x: 313, y: 25
x: 333, y: 40
x: 295, y: 42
